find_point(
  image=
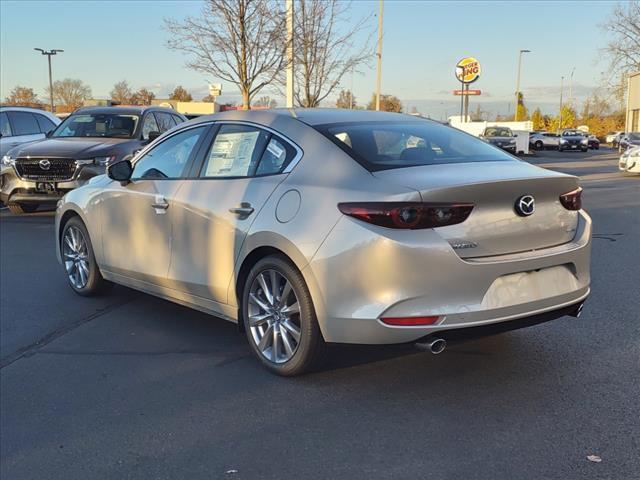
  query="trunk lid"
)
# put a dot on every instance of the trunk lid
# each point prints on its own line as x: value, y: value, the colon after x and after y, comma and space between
x: 494, y: 226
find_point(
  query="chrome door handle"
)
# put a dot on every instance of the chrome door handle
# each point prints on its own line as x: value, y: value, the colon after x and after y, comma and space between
x: 160, y: 204
x: 243, y: 211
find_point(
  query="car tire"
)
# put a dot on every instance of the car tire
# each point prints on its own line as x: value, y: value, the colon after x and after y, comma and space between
x: 283, y: 332
x: 79, y: 260
x: 560, y: 149
x: 584, y: 149
x: 539, y: 145
x: 597, y: 146
x: 20, y: 208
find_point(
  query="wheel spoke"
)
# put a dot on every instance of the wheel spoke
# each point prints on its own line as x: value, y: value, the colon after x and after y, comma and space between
x: 292, y: 329
x: 83, y: 278
x: 265, y: 288
x: 255, y: 320
x: 258, y: 302
x: 275, y: 290
x: 266, y: 339
x: 286, y: 341
x: 67, y: 240
x: 275, y: 348
x: 293, y: 308
x: 68, y: 265
x: 286, y: 290
x: 84, y: 266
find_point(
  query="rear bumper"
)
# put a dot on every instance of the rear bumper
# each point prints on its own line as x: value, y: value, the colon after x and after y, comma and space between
x: 358, y: 277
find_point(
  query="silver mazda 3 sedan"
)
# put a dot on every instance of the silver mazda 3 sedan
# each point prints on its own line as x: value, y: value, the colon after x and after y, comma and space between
x: 317, y: 226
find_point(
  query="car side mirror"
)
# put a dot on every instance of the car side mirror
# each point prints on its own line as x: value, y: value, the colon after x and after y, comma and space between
x: 152, y: 136
x: 120, y: 171
x: 48, y: 134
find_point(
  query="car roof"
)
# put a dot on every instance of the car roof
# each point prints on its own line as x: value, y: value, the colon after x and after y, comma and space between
x: 311, y: 116
x: 125, y: 110
x: 22, y: 109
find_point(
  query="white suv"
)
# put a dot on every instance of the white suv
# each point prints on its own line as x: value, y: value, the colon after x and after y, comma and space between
x: 21, y: 125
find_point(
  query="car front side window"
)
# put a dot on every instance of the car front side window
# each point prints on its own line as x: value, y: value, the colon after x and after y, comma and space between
x: 5, y: 126
x: 24, y: 123
x: 169, y: 159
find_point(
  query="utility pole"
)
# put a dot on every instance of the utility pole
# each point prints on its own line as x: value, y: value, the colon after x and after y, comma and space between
x: 560, y: 117
x: 515, y: 115
x: 351, y: 90
x: 290, y: 75
x: 379, y: 73
x: 48, y: 54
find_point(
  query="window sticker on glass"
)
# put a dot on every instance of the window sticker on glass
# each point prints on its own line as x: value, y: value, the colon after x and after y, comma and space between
x: 231, y: 154
x: 276, y: 150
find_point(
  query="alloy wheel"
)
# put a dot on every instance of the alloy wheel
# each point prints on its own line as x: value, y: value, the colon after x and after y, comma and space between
x: 76, y: 257
x: 274, y: 316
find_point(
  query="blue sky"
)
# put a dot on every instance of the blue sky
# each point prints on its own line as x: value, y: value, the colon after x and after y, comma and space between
x: 108, y: 41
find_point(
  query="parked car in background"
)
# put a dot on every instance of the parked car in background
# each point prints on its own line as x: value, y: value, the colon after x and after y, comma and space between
x: 593, y: 142
x: 628, y: 140
x: 630, y: 160
x: 501, y: 137
x: 613, y: 138
x: 544, y: 140
x: 20, y: 125
x: 79, y: 148
x: 573, y: 140
x: 230, y: 214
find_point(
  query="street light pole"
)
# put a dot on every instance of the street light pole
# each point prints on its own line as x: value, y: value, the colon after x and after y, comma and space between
x: 48, y: 54
x: 560, y: 116
x: 379, y: 72
x: 515, y: 115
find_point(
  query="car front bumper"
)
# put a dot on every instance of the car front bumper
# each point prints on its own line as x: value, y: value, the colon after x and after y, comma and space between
x: 360, y: 277
x: 14, y: 189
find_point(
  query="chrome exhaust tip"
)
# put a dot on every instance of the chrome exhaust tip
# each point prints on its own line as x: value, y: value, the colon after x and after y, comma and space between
x: 435, y: 346
x: 578, y: 311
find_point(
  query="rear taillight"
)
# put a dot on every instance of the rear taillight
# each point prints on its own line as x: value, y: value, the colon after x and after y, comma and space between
x: 572, y: 200
x: 408, y: 215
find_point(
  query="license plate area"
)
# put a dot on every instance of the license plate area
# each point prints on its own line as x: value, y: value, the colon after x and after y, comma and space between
x: 45, y: 187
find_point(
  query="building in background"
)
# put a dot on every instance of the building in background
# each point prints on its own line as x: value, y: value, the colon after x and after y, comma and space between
x: 633, y: 103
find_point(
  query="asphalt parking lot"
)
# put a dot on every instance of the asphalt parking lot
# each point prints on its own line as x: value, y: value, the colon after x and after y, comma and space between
x: 131, y: 386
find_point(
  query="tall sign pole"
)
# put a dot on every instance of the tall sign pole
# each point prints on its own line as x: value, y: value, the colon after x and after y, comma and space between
x: 290, y: 76
x: 560, y: 116
x: 467, y: 71
x: 379, y: 54
x: 515, y: 115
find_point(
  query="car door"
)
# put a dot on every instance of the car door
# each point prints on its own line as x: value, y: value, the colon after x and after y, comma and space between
x: 136, y: 217
x: 238, y: 172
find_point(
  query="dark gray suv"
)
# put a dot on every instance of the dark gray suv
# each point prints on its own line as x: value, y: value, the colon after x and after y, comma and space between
x: 79, y: 148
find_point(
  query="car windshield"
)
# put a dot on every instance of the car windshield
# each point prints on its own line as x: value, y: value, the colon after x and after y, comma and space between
x: 572, y: 134
x: 498, y: 132
x: 114, y: 125
x: 383, y: 145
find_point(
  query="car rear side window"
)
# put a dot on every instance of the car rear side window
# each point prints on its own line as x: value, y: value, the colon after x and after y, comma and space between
x: 165, y: 121
x: 170, y: 157
x: 24, y: 123
x: 386, y: 145
x: 45, y: 124
x: 5, y: 126
x: 235, y: 152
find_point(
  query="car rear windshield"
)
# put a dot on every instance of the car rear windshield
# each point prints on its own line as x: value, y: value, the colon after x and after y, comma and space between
x: 498, y: 132
x: 112, y: 125
x: 384, y: 145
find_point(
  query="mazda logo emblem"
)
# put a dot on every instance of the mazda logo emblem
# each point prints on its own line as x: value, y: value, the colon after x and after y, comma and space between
x: 44, y: 164
x: 525, y: 205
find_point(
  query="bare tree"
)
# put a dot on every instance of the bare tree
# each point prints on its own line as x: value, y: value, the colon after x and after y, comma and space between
x: 121, y: 92
x: 623, y: 50
x: 142, y: 97
x: 238, y: 41
x: 70, y: 93
x: 23, y: 96
x: 266, y: 102
x: 325, y: 48
x: 346, y: 99
x: 180, y: 94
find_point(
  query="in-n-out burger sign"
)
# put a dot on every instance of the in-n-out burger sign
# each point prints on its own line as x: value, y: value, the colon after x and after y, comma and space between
x: 468, y: 70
